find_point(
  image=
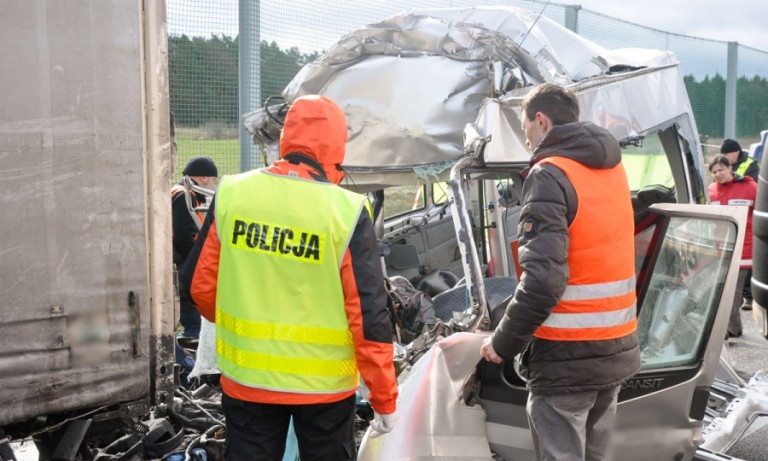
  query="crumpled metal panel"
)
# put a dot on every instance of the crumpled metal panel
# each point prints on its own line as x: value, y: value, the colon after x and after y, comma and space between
x: 409, y: 84
x: 627, y: 105
x: 745, y: 403
x: 433, y: 421
x: 74, y: 318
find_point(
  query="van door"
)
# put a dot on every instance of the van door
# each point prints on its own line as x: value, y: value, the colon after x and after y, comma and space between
x: 684, y: 264
x: 686, y: 272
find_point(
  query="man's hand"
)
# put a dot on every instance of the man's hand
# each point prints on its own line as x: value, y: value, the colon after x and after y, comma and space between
x: 487, y: 351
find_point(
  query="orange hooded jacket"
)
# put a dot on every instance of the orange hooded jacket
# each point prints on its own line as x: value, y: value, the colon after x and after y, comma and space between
x: 312, y: 147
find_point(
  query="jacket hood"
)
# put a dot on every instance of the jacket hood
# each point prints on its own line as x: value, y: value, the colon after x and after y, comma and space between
x: 316, y: 127
x: 584, y: 142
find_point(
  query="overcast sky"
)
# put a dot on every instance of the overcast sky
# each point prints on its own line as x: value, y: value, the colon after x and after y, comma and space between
x: 743, y: 21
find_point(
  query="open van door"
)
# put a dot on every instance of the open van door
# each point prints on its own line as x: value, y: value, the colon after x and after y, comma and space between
x: 684, y: 266
x: 686, y: 272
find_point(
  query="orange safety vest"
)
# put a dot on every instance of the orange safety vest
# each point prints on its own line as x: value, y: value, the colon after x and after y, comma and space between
x: 599, y: 301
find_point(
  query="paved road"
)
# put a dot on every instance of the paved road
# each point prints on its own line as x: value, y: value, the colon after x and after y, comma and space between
x: 748, y: 354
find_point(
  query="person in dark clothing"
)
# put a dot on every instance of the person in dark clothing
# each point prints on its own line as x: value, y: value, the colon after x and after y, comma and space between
x: 187, y: 221
x: 743, y: 165
x: 573, y: 314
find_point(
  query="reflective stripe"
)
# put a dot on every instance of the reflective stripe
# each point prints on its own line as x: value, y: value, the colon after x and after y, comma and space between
x: 284, y: 332
x: 314, y: 390
x: 599, y: 290
x: 740, y: 201
x: 288, y: 365
x: 746, y: 262
x: 591, y: 320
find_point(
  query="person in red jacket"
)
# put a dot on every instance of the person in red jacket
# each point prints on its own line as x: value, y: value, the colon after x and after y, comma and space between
x: 287, y: 266
x: 732, y: 189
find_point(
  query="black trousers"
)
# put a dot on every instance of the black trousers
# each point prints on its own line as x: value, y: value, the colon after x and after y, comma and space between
x: 257, y: 431
x: 189, y: 317
x: 747, y: 291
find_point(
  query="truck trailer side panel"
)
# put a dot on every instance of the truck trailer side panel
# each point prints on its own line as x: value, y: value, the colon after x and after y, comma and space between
x: 76, y: 306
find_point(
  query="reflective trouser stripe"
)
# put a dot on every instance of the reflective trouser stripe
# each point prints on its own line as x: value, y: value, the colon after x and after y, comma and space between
x: 599, y: 290
x: 284, y: 332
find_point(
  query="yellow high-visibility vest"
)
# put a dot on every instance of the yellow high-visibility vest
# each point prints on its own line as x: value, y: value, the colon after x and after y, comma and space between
x: 280, y: 317
x: 744, y: 165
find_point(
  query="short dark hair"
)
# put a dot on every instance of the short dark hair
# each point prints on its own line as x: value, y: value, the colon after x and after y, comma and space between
x: 556, y: 102
x: 719, y: 159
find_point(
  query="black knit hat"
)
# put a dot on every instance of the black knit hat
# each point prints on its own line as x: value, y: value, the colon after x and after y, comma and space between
x: 201, y: 166
x: 729, y: 145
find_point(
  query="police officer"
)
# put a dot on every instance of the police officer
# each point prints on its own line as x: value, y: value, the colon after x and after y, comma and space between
x: 288, y: 268
x: 574, y: 310
x: 741, y: 162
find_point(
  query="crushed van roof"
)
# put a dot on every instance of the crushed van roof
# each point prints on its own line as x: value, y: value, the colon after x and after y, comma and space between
x: 411, y: 83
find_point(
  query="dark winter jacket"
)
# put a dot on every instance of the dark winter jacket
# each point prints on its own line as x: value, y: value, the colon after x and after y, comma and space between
x: 185, y: 229
x: 550, y: 201
x: 752, y: 168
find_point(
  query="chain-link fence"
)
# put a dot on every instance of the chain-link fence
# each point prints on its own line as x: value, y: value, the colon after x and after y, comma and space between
x: 281, y: 36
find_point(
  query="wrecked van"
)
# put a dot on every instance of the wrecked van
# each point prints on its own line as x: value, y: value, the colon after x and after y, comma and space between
x: 432, y: 99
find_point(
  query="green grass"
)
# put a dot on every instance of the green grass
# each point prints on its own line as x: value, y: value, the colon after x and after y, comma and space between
x: 224, y: 152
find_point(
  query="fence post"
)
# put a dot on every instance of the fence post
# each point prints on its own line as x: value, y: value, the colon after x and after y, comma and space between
x: 249, y: 77
x: 730, y: 90
x: 572, y: 18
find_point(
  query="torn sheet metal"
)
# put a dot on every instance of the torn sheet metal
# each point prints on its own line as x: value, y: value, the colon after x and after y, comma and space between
x: 409, y: 84
x: 739, y: 408
x: 434, y: 421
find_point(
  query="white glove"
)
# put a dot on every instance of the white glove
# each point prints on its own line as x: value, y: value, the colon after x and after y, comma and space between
x: 382, y: 424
